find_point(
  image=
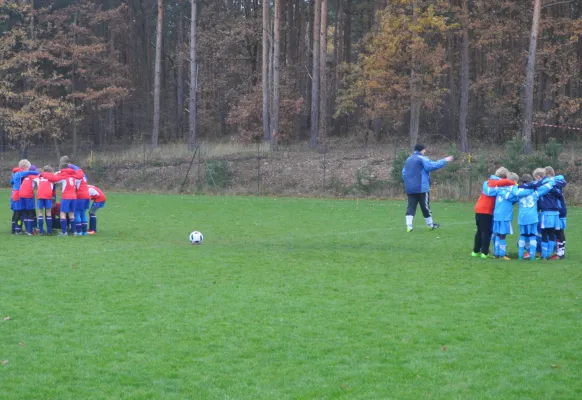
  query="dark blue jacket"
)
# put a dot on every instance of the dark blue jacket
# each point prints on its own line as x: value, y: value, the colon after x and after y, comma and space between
x: 559, y: 193
x: 550, y: 202
x: 416, y: 172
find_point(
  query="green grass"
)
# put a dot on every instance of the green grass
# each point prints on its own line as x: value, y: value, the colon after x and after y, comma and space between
x: 286, y: 299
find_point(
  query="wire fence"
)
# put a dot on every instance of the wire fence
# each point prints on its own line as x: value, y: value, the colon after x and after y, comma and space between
x: 349, y: 169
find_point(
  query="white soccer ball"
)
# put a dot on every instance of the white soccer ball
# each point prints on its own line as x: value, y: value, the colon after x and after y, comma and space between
x: 196, y: 237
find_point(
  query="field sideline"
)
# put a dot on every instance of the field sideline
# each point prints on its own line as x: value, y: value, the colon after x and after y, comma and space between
x: 286, y: 299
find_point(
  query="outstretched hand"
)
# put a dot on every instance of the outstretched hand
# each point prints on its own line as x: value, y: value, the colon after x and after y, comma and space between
x: 449, y: 158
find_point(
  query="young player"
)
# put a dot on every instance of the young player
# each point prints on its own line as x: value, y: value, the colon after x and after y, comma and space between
x: 67, y: 178
x: 82, y: 203
x: 528, y: 214
x: 45, y: 191
x: 484, y: 211
x: 550, y: 216
x: 98, y: 202
x: 561, y: 234
x: 27, y: 205
x: 14, y: 203
x: 502, y: 217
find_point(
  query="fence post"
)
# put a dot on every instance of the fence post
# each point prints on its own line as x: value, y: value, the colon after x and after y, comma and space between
x: 259, y: 167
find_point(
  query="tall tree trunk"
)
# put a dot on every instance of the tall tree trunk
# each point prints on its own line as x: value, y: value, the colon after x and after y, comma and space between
x: 315, y: 77
x: 348, y: 32
x: 193, y: 76
x: 464, y: 108
x: 73, y: 89
x: 276, y: 74
x: 323, y: 71
x: 530, y: 74
x: 157, y: 74
x: 453, y: 112
x: 266, y: 47
x: 180, y: 75
x: 415, y: 100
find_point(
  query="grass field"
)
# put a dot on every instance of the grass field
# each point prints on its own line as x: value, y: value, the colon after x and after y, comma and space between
x: 286, y: 299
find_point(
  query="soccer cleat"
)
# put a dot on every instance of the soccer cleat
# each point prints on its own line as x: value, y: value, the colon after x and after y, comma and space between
x: 484, y: 256
x: 409, y: 230
x: 504, y: 258
x: 526, y: 254
x: 63, y: 234
x: 473, y: 254
x: 554, y: 257
x: 538, y: 254
x: 93, y: 232
x: 434, y: 227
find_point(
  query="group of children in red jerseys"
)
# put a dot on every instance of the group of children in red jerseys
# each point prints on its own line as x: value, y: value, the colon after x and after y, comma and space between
x: 75, y: 214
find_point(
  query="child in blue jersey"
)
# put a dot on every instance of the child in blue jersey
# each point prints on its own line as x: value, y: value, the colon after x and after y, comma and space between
x: 558, y: 193
x: 502, y: 217
x: 549, y: 215
x: 527, y: 219
x: 16, y: 181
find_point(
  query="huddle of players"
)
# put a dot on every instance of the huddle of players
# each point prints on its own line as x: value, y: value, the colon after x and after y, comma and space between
x: 76, y: 196
x: 541, y: 217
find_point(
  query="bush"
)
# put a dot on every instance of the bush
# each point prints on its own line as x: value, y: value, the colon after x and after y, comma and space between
x: 217, y: 173
x: 367, y: 181
x: 397, y: 166
x: 552, y: 150
x: 514, y: 150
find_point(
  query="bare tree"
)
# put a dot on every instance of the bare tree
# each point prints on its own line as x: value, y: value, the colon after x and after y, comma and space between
x: 322, y: 71
x: 157, y: 74
x: 315, y: 77
x: 266, y: 48
x: 529, y: 80
x: 276, y: 74
x: 415, y: 101
x: 180, y: 67
x: 193, y: 76
x: 464, y: 108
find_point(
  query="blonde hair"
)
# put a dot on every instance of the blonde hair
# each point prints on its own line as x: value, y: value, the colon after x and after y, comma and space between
x: 47, y: 168
x: 513, y: 176
x: 539, y: 172
x: 24, y: 164
x: 502, y: 172
x: 550, y: 172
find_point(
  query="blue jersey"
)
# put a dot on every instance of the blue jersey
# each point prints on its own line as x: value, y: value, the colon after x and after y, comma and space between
x: 16, y: 179
x: 527, y: 200
x: 504, y: 204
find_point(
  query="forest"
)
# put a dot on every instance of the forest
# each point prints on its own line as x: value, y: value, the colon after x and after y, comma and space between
x: 285, y: 71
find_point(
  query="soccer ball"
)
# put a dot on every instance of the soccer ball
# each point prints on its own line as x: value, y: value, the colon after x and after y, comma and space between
x: 196, y: 237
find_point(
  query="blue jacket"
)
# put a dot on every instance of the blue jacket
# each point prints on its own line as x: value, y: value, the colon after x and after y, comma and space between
x: 16, y: 179
x: 558, y: 192
x: 416, y: 172
x: 549, y: 202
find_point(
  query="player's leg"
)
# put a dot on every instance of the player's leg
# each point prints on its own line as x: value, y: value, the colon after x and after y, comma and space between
x: 478, y: 237
x: 93, y: 218
x: 411, y: 210
x: 84, y: 218
x: 502, y: 246
x: 17, y: 218
x: 425, y: 208
x: 48, y: 216
x: 40, y: 218
x: 545, y: 243
x: 486, y: 233
x: 523, y: 237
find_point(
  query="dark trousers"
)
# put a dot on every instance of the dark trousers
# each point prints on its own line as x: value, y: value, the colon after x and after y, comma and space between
x: 483, y: 234
x: 419, y: 198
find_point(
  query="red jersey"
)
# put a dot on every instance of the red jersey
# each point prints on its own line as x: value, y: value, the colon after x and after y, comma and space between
x: 96, y: 194
x: 56, y: 210
x: 82, y: 187
x: 44, y: 188
x: 67, y: 178
x: 26, y: 191
x: 486, y: 204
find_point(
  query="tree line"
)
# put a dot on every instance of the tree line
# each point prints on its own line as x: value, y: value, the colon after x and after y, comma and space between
x: 134, y: 71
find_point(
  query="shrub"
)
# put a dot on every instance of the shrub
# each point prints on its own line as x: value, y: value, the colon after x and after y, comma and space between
x: 217, y: 173
x: 397, y: 166
x: 514, y: 150
x: 552, y: 150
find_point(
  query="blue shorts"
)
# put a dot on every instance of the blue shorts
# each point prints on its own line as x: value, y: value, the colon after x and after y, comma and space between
x: 67, y: 206
x: 27, y: 204
x: 15, y: 205
x: 82, y: 204
x: 531, y: 229
x: 502, y: 227
x: 96, y: 206
x: 550, y: 221
x: 44, y: 203
x: 562, y: 223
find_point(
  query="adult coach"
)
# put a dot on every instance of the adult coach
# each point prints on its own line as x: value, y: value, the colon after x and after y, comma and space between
x: 416, y: 175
